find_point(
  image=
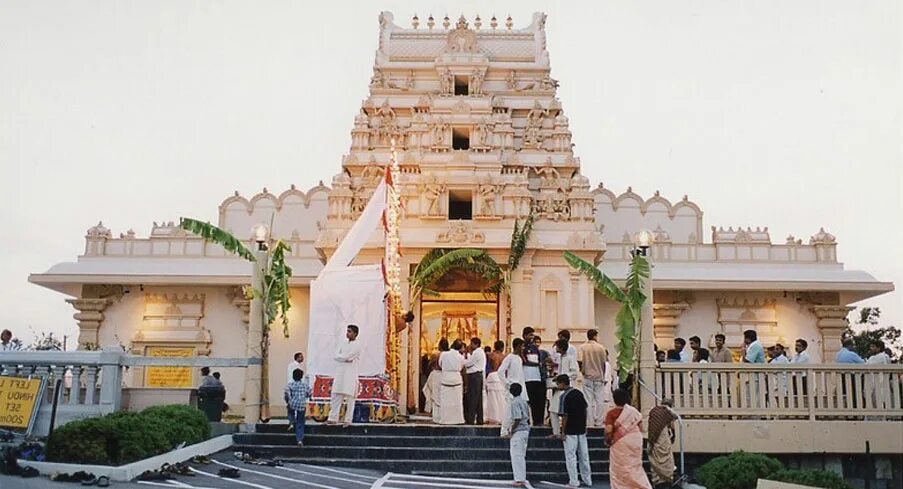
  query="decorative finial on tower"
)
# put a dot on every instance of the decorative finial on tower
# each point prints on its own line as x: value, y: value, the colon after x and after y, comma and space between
x: 293, y: 186
x: 462, y: 22
x: 265, y: 190
x: 236, y: 193
x: 415, y: 21
x: 446, y: 22
x: 430, y: 22
x: 509, y: 23
x: 493, y: 22
x: 477, y: 22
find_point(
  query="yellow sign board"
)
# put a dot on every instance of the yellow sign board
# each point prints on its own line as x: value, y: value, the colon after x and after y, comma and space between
x: 19, y: 401
x: 169, y: 377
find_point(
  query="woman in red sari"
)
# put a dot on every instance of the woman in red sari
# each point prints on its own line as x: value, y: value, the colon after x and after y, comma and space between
x: 624, y: 436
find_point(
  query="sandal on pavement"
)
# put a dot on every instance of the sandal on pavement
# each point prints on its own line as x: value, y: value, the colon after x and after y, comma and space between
x: 229, y: 473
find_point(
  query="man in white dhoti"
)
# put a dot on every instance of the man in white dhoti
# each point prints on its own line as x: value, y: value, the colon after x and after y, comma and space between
x: 451, y: 389
x: 344, y: 384
x: 511, y: 371
x: 567, y: 365
x: 495, y: 388
x: 433, y: 382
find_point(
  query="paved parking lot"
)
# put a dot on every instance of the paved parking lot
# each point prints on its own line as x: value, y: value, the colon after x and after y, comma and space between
x: 291, y: 476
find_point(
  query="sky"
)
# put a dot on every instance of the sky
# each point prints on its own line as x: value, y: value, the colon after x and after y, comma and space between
x: 767, y: 113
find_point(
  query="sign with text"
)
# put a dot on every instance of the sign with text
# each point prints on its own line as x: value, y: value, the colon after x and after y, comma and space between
x: 169, y: 377
x: 20, y: 399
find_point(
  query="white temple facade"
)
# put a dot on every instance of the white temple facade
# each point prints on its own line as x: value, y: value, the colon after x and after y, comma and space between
x: 482, y: 141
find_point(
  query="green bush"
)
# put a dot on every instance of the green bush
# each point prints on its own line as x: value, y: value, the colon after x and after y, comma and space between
x: 124, y: 437
x: 814, y: 478
x: 81, y: 442
x: 739, y: 470
x: 181, y: 424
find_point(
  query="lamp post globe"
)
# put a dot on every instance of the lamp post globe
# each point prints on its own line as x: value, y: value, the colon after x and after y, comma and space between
x: 260, y: 233
x: 643, y: 240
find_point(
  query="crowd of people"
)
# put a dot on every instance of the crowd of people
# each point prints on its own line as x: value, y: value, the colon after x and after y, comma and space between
x: 753, y: 351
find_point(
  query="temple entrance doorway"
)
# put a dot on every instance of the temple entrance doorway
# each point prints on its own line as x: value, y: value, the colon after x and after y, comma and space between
x: 460, y: 311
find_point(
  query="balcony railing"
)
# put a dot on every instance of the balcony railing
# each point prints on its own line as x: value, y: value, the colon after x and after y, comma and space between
x: 814, y: 392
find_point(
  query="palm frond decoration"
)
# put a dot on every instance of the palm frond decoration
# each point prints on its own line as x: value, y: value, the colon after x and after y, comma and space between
x: 278, y: 294
x: 216, y: 235
x: 440, y: 261
x: 631, y: 299
x: 519, y: 238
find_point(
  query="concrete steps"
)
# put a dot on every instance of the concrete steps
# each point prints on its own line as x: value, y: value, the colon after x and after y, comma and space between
x: 441, y: 451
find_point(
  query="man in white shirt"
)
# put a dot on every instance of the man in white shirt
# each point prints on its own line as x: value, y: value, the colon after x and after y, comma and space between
x: 877, y: 356
x: 779, y: 358
x: 511, y: 371
x: 451, y: 389
x: 475, y: 366
x: 680, y: 345
x: 801, y: 358
x: 6, y: 341
x: 876, y: 384
x: 295, y: 364
x: 344, y: 385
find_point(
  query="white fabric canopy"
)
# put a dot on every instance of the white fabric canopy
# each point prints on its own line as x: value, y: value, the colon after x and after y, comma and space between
x: 343, y: 295
x: 351, y: 295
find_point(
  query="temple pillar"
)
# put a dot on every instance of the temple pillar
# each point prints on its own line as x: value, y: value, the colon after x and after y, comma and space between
x: 646, y: 351
x: 89, y: 318
x: 665, y: 319
x: 832, y: 322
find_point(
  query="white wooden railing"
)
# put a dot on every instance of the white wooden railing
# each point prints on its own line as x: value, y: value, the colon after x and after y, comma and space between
x: 814, y: 392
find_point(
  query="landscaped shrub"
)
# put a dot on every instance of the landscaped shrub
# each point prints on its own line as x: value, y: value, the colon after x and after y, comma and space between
x: 182, y: 424
x: 81, y: 442
x: 135, y: 437
x: 814, y: 478
x: 739, y: 470
x: 124, y: 437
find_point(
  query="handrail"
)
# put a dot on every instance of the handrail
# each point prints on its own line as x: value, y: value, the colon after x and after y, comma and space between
x: 680, y: 422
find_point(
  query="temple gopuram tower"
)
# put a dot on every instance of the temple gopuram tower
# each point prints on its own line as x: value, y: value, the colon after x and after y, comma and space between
x: 482, y: 141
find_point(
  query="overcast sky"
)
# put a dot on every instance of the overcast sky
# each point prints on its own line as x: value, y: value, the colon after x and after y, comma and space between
x: 775, y: 113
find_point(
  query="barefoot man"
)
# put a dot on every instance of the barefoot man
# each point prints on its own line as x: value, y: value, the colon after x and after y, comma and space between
x: 344, y: 385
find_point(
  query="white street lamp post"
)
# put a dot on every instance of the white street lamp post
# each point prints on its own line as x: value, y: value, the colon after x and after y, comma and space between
x: 643, y: 241
x: 254, y: 372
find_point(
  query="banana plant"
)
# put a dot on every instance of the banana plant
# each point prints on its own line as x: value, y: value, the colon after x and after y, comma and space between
x: 274, y: 292
x: 631, y: 298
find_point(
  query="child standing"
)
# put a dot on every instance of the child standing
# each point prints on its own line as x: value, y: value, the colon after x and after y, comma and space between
x: 520, y: 434
x: 297, y: 392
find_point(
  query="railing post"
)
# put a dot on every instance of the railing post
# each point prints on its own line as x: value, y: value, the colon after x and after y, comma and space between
x: 810, y: 386
x: 111, y: 378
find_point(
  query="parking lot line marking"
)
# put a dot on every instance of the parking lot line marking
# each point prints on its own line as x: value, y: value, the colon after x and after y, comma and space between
x: 553, y: 484
x: 343, y: 472
x: 170, y: 485
x: 487, y: 482
x: 331, y: 477
x: 382, y: 480
x: 274, y: 476
x: 436, y: 483
x: 251, y: 484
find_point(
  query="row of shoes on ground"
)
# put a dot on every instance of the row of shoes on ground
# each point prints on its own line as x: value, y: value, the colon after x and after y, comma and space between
x: 251, y: 459
x: 82, y: 477
x: 229, y: 473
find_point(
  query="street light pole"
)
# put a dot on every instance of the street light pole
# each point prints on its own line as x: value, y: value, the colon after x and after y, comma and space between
x: 254, y: 348
x: 646, y: 352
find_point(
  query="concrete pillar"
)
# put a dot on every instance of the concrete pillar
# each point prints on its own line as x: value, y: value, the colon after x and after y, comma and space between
x: 89, y: 318
x: 254, y: 371
x: 832, y: 322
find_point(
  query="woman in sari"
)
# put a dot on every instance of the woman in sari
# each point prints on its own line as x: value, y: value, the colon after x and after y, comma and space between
x: 624, y: 434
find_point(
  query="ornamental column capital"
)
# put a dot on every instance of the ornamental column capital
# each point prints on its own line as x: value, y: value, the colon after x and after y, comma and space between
x: 89, y: 318
x: 665, y: 319
x: 832, y: 322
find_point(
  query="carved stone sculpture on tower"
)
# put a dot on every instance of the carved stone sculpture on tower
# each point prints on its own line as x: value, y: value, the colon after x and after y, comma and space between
x: 446, y: 82
x: 486, y: 193
x: 440, y: 136
x: 432, y: 194
x: 533, y: 133
x: 549, y: 175
x: 476, y: 82
x: 387, y: 125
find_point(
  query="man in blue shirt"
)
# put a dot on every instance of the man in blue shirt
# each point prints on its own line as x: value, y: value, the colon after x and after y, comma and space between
x: 848, y: 354
x: 297, y: 393
x: 755, y: 352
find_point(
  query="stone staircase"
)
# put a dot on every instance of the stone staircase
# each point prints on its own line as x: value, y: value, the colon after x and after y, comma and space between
x: 442, y: 451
